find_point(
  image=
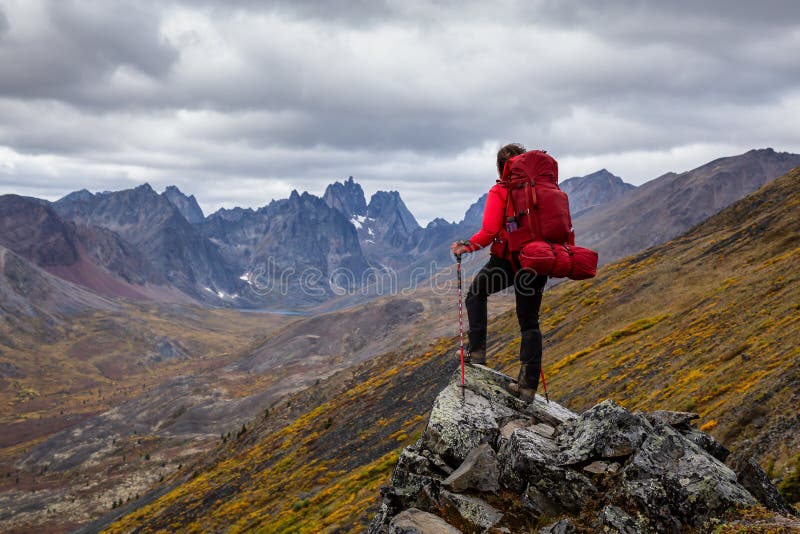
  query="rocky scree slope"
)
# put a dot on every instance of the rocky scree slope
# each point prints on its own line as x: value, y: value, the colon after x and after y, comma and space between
x: 490, y: 462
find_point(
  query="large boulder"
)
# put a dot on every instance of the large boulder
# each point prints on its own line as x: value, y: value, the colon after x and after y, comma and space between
x: 673, y: 481
x: 607, y: 430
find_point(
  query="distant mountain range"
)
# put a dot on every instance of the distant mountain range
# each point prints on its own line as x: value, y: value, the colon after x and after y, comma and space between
x: 306, y: 250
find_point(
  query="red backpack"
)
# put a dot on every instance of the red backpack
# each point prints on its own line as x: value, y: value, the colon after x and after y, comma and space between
x: 538, y: 222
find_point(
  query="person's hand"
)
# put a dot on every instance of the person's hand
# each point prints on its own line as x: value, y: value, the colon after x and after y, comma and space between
x: 460, y: 247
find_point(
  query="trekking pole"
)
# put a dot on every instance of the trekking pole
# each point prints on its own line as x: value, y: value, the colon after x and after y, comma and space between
x: 544, y: 383
x: 460, y: 318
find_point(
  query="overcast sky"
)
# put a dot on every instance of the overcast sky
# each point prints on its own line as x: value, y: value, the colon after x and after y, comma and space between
x: 241, y: 102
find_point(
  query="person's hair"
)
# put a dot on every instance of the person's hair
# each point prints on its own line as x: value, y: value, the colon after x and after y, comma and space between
x: 508, y: 151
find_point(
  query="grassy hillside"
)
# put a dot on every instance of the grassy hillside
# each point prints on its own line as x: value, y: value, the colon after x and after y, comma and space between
x: 708, y: 322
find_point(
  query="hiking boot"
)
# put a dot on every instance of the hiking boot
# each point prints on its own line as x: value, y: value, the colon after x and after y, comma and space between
x: 527, y: 382
x: 477, y: 356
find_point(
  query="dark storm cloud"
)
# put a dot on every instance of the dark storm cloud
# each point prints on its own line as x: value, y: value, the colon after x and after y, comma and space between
x: 71, y: 48
x: 266, y: 96
x: 3, y: 22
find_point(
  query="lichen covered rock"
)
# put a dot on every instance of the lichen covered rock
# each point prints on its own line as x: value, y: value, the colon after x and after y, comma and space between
x: 488, y: 462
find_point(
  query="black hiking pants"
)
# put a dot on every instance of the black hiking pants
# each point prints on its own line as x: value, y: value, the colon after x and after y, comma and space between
x: 495, y: 276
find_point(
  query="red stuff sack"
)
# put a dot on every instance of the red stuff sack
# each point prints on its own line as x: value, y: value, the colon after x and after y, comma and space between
x: 559, y: 260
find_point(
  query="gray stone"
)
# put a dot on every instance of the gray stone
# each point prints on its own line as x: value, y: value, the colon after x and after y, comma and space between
x: 479, y: 471
x: 614, y: 519
x: 475, y: 512
x: 544, y: 430
x: 461, y: 420
x: 673, y: 419
x: 654, y: 472
x: 493, y: 386
x: 550, y: 413
x: 440, y: 464
x: 528, y: 450
x: 671, y: 478
x: 413, y: 471
x: 539, y: 504
x: 706, y: 442
x: 414, y: 521
x: 597, y: 467
x: 532, y: 459
x: 562, y: 526
x: 511, y: 426
x: 607, y: 430
x: 380, y: 522
x: 756, y: 481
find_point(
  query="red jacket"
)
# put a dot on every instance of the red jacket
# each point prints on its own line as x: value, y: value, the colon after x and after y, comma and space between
x: 493, y: 228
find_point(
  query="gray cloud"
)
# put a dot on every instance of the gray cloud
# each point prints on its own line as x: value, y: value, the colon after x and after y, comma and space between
x: 3, y: 22
x: 241, y: 101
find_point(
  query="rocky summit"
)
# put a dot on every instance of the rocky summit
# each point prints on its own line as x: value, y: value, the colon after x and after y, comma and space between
x: 489, y: 462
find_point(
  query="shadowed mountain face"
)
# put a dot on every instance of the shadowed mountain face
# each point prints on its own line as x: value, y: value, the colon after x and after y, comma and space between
x: 289, y: 249
x: 346, y: 197
x: 33, y: 230
x: 386, y: 228
x: 186, y: 205
x: 94, y: 257
x: 170, y: 244
x: 593, y: 189
x: 665, y: 207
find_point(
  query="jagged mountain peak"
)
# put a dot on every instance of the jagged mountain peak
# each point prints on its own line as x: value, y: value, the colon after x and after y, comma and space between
x: 187, y: 205
x: 144, y: 188
x: 347, y: 197
x: 474, y: 214
x: 234, y: 214
x: 82, y: 195
x: 438, y: 222
x: 594, y: 189
x: 388, y: 205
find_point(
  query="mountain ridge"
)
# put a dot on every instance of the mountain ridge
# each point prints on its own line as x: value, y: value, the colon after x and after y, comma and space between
x: 663, y: 208
x: 235, y: 258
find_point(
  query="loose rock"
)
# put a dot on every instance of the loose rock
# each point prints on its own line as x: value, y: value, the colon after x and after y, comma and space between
x: 758, y: 483
x: 479, y: 471
x: 413, y: 521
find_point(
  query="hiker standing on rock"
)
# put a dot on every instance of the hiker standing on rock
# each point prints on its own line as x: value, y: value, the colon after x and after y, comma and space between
x: 499, y: 273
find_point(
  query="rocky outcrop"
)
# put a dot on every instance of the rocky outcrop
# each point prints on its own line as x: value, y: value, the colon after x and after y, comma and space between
x: 488, y: 462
